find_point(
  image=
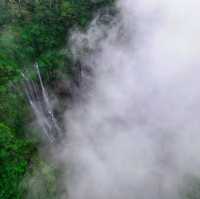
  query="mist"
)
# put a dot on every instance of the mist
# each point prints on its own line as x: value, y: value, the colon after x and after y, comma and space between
x: 134, y: 133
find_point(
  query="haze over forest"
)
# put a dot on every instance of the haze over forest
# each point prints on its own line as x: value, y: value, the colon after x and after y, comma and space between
x: 99, y: 99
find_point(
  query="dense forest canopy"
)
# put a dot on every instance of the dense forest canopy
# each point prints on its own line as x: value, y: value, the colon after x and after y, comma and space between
x: 32, y: 31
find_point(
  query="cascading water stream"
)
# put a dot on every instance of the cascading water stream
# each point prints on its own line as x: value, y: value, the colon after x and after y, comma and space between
x: 42, y: 107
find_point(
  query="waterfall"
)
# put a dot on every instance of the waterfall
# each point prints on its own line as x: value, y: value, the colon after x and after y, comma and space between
x: 42, y: 108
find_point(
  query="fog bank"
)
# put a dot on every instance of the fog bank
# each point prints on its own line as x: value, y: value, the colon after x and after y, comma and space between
x: 136, y: 134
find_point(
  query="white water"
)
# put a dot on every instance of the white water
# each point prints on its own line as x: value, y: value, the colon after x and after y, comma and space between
x: 42, y: 107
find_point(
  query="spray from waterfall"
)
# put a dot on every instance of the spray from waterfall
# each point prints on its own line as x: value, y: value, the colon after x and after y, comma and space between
x: 136, y: 133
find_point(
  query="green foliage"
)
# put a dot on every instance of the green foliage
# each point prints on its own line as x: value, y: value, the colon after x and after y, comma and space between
x: 40, y: 182
x: 39, y: 28
x: 192, y: 188
x: 14, y: 158
x: 32, y: 31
